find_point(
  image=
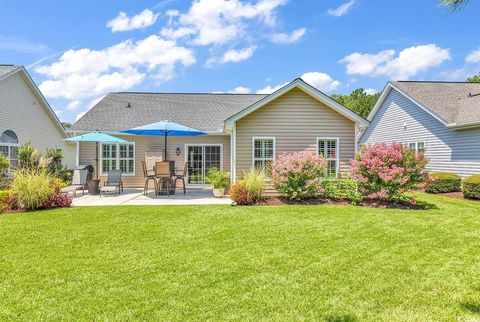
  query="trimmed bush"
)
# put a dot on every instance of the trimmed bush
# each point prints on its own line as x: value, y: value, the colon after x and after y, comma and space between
x: 471, y: 186
x: 32, y: 188
x: 297, y: 175
x: 444, y: 182
x: 387, y: 171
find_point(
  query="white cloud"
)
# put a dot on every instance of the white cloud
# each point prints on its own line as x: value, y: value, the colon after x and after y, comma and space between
x: 85, y: 73
x: 408, y: 63
x: 73, y: 105
x: 473, y: 57
x: 370, y: 91
x: 124, y: 23
x: 240, y: 90
x: 220, y: 21
x: 270, y: 89
x: 321, y: 81
x: 285, y: 38
x: 342, y: 10
x: 363, y: 64
x: 172, y: 33
x: 232, y: 56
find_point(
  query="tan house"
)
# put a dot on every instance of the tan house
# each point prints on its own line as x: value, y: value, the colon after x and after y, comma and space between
x: 243, y: 130
x: 25, y: 116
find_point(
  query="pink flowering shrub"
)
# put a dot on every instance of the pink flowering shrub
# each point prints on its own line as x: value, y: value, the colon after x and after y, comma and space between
x: 387, y: 171
x: 297, y: 175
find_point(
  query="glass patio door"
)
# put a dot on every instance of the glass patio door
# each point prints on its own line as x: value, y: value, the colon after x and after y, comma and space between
x: 201, y: 158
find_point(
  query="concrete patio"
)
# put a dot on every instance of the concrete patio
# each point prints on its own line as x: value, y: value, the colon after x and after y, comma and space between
x: 135, y: 196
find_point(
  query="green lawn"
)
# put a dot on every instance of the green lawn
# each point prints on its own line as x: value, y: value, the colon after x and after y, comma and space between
x: 334, y: 263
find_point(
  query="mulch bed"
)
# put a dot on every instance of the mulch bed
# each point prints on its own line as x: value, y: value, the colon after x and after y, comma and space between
x: 369, y: 203
x: 456, y: 195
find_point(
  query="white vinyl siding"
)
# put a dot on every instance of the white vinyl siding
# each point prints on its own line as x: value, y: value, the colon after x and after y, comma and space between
x: 263, y: 153
x: 401, y: 120
x: 296, y: 120
x: 23, y: 112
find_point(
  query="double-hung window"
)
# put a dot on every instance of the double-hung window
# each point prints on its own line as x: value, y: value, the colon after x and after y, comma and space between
x: 418, y: 147
x: 263, y: 153
x: 328, y: 148
x: 118, y: 156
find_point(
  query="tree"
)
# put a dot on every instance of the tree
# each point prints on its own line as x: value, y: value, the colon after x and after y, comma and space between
x: 454, y: 4
x: 474, y: 78
x: 66, y: 125
x: 358, y: 101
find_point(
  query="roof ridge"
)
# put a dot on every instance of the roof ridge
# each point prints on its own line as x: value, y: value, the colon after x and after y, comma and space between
x: 184, y: 93
x: 448, y: 82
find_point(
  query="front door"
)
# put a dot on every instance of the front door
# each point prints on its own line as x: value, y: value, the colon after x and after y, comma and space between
x: 201, y: 158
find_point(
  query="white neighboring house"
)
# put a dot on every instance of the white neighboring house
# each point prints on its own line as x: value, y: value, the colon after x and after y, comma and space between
x: 441, y: 119
x: 25, y: 116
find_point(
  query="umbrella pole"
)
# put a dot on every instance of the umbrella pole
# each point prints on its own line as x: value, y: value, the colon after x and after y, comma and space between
x: 165, y: 146
x: 96, y: 160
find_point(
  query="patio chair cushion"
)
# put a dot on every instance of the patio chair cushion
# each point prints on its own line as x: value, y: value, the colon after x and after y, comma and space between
x: 108, y: 189
x: 71, y: 188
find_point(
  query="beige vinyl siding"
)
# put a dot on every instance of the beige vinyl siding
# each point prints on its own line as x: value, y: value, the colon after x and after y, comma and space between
x: 144, y: 143
x: 295, y: 120
x: 22, y: 112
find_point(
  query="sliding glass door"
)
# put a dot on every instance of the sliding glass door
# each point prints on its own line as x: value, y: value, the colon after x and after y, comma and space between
x: 201, y: 158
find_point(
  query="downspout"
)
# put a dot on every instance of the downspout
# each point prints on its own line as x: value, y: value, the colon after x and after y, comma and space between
x: 233, y: 155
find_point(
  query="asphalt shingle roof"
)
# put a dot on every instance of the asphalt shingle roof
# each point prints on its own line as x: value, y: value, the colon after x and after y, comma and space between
x: 205, y: 112
x: 5, y: 69
x: 455, y: 102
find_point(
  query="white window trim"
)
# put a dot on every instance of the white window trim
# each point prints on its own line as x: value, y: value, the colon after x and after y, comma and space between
x: 10, y: 145
x: 337, y: 159
x: 416, y: 146
x: 117, y: 146
x: 185, y: 159
x: 253, y: 148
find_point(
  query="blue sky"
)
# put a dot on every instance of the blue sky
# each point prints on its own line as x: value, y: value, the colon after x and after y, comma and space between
x: 79, y: 51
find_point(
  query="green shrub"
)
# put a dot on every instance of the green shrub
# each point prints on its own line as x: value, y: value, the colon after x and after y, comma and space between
x: 345, y: 188
x: 444, y: 182
x: 471, y: 187
x: 31, y: 187
x: 218, y: 178
x: 254, y: 183
x: 4, y: 164
x: 4, y: 194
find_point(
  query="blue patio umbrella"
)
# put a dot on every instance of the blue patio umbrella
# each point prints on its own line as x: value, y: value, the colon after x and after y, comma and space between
x: 96, y: 136
x: 165, y: 129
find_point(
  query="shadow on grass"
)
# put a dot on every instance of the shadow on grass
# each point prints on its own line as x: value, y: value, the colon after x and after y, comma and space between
x: 473, y: 307
x: 427, y: 205
x: 340, y: 318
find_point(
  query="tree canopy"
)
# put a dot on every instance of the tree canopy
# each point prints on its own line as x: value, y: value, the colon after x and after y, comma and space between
x: 454, y: 4
x: 474, y: 78
x: 358, y: 101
